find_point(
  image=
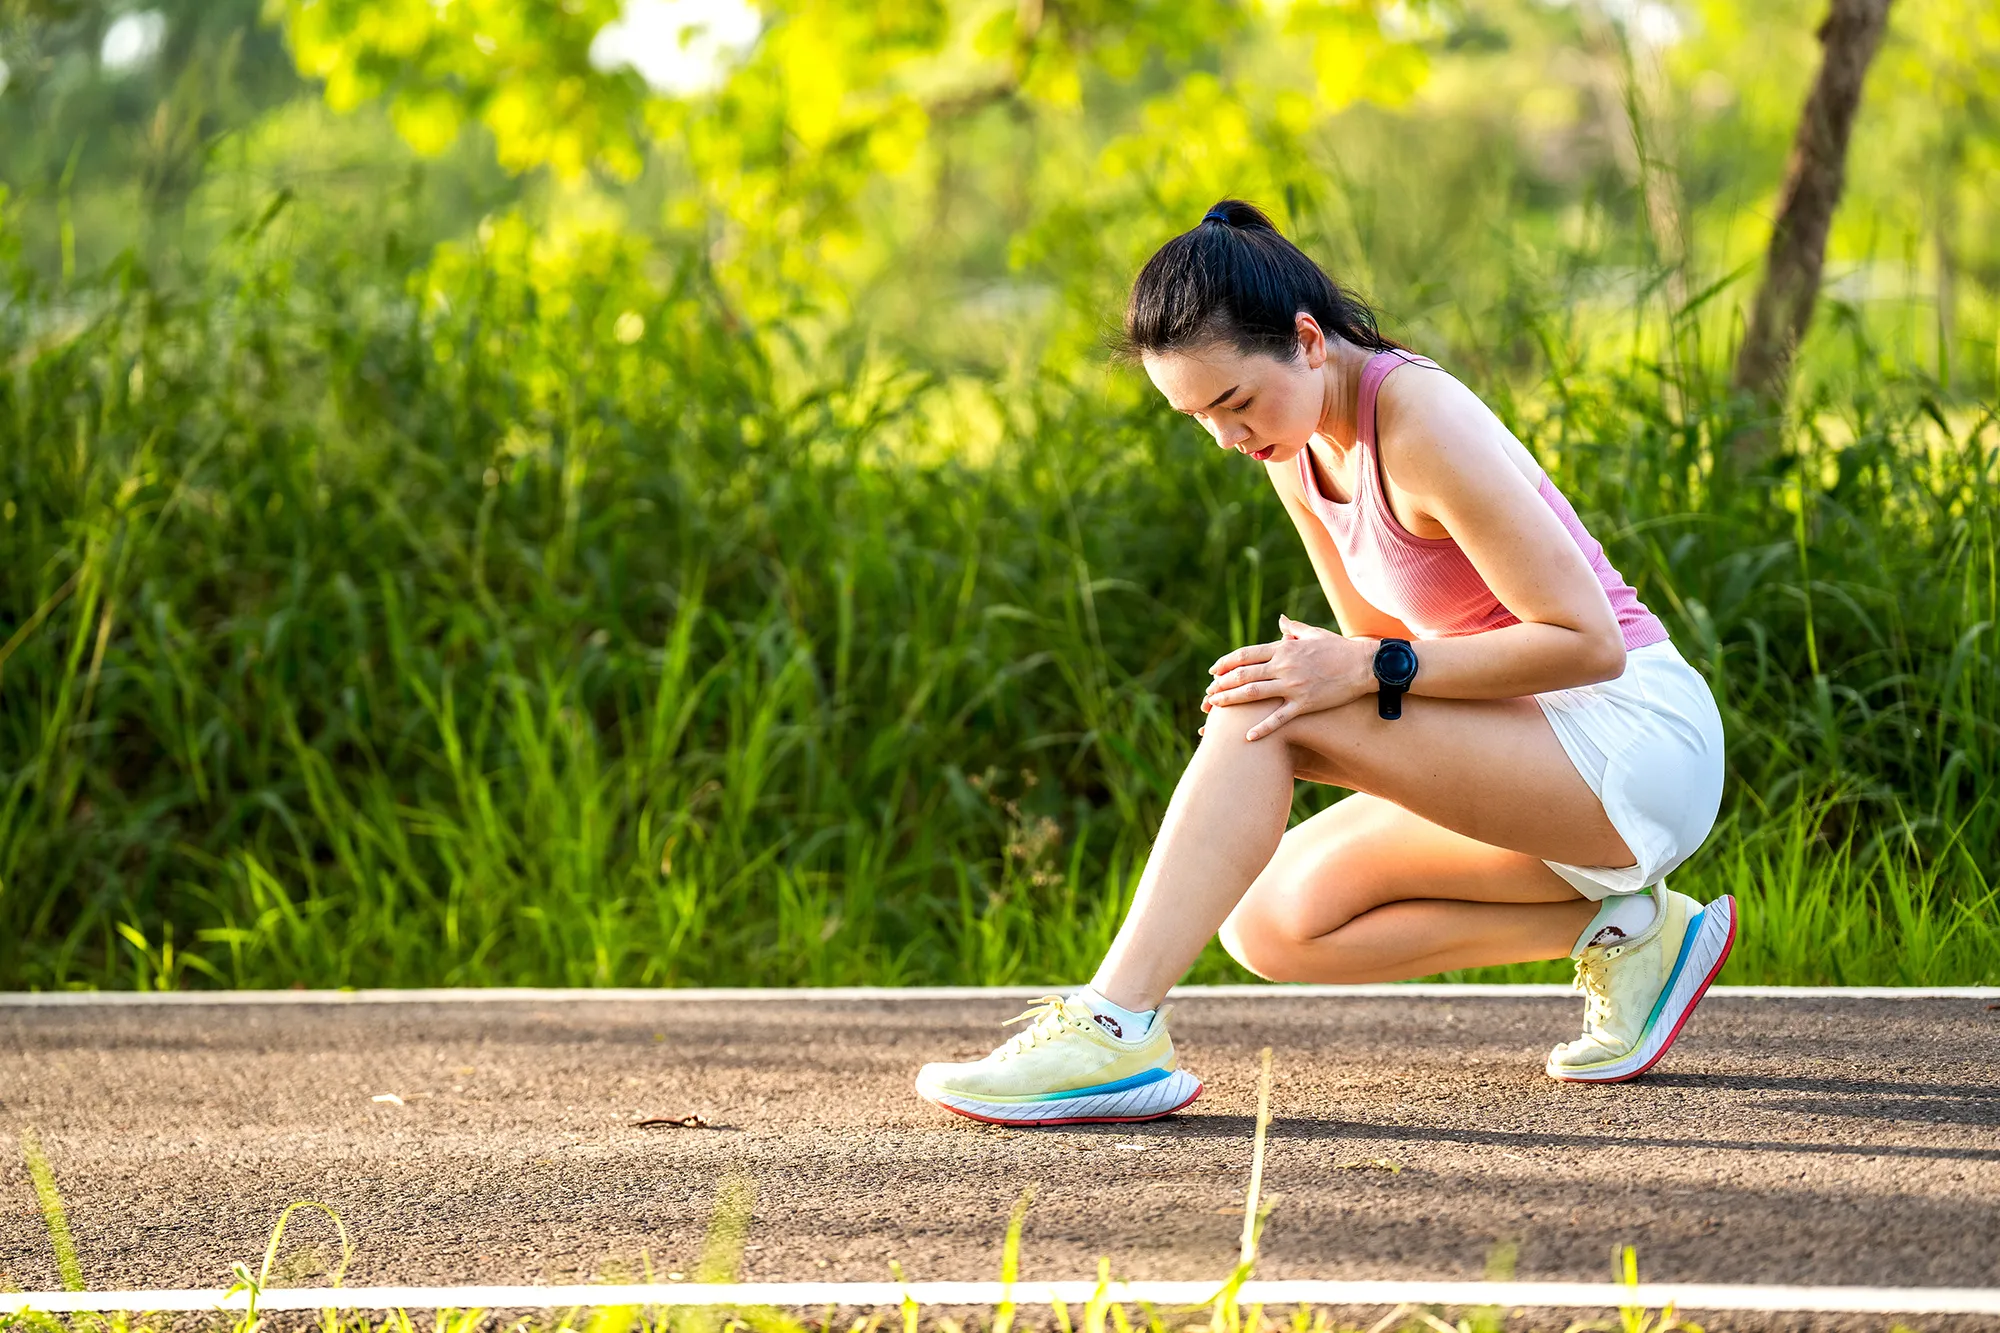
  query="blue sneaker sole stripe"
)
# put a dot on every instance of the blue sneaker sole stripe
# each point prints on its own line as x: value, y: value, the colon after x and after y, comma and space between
x: 1688, y: 938
x: 1138, y: 1080
x: 1149, y: 1101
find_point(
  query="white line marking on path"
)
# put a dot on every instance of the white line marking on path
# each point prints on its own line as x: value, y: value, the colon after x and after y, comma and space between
x: 1404, y: 990
x: 1535, y: 1295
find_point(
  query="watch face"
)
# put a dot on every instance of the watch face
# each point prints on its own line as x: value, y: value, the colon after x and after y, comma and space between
x: 1396, y: 663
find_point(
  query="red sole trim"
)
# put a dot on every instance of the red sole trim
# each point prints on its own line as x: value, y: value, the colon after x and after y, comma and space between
x: 1686, y: 1013
x: 1074, y: 1120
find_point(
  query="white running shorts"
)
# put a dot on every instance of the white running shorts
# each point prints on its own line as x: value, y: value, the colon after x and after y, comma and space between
x: 1650, y: 745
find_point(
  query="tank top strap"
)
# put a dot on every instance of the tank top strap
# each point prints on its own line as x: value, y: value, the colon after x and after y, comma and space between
x: 1373, y: 372
x: 1368, y: 472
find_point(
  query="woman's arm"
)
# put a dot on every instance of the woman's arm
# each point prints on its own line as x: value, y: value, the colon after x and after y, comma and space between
x: 1444, y: 450
x: 1353, y: 612
x: 1452, y: 462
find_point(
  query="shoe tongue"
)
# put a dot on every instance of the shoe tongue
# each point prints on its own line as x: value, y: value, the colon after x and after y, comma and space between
x: 1075, y: 1007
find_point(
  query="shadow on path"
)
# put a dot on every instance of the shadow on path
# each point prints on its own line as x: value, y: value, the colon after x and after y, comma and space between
x: 1243, y: 1126
x: 1860, y: 1086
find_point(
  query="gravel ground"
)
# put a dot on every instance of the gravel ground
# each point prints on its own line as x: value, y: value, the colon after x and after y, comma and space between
x: 1794, y: 1141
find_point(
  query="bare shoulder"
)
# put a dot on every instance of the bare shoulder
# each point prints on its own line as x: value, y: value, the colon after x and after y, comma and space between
x: 1429, y: 425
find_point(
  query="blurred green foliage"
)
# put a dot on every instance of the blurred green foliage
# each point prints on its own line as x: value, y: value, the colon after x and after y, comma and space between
x: 971, y: 180
x: 1042, y: 147
x: 467, y: 517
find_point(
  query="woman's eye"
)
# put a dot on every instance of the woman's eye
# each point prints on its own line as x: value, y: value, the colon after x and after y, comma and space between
x: 1243, y: 406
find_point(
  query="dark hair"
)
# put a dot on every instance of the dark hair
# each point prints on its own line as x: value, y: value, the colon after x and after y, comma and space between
x: 1233, y: 279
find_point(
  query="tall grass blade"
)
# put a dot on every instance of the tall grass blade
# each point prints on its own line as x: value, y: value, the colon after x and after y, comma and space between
x: 54, y: 1217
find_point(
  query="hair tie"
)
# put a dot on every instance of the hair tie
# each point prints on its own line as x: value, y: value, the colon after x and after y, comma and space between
x: 1216, y: 215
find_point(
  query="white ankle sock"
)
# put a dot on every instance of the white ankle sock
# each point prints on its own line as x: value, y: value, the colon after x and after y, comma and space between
x: 1122, y: 1023
x: 1625, y: 916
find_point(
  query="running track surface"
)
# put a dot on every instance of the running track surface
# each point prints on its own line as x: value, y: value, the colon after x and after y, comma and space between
x: 1824, y: 1141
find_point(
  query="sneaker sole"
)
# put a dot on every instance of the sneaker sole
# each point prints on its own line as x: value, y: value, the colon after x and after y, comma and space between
x: 1150, y: 1102
x: 1710, y: 937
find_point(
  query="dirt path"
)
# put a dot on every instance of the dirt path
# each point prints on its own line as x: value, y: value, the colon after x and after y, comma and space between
x: 1822, y: 1141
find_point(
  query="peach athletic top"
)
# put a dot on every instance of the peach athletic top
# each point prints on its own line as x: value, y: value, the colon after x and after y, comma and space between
x: 1427, y: 582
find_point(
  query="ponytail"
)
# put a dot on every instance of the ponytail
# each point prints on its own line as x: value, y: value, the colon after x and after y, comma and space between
x: 1234, y: 280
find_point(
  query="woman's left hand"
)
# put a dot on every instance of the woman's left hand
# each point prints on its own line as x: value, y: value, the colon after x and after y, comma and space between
x: 1310, y: 669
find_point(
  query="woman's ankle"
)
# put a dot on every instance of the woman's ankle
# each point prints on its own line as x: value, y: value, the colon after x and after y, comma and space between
x: 1121, y: 1021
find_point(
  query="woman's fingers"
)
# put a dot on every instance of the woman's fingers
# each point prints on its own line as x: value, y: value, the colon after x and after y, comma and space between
x: 1248, y: 653
x: 1299, y: 629
x: 1277, y: 719
x: 1243, y: 675
x: 1242, y: 694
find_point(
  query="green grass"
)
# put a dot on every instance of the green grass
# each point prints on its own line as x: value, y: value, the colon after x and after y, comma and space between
x: 405, y: 627
x: 55, y: 1218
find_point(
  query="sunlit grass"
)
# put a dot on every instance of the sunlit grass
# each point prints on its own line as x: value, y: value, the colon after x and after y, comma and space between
x: 354, y: 635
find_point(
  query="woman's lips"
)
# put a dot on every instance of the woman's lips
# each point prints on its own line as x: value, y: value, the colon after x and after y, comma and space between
x: 1265, y: 452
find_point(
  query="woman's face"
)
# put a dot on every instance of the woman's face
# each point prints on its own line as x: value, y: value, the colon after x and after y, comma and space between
x: 1256, y: 405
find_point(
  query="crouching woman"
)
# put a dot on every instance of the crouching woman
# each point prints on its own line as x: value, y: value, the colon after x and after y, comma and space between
x: 1529, y: 754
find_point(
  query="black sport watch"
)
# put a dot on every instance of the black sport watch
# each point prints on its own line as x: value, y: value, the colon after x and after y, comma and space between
x: 1395, y: 668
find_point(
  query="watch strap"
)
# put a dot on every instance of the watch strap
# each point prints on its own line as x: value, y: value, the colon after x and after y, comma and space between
x: 1389, y: 693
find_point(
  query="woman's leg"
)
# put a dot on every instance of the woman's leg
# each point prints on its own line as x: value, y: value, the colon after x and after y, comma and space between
x: 1488, y: 770
x: 1367, y: 891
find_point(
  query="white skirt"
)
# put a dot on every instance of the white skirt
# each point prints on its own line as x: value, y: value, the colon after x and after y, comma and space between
x: 1650, y: 745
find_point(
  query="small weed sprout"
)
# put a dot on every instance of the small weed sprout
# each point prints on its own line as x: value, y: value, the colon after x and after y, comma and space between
x: 1634, y: 1318
x: 253, y: 1284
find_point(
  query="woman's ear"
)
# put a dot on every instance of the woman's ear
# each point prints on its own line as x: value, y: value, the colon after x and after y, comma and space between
x: 1312, y: 340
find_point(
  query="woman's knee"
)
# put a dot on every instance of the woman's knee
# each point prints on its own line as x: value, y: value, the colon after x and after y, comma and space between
x: 1264, y: 951
x: 1281, y: 938
x: 1229, y: 724
x: 1289, y: 930
x: 1316, y: 742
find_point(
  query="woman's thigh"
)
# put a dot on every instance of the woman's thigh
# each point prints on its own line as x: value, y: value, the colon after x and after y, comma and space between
x: 1491, y: 770
x: 1366, y: 852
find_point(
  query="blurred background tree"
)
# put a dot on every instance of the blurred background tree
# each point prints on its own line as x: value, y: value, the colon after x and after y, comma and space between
x: 918, y: 167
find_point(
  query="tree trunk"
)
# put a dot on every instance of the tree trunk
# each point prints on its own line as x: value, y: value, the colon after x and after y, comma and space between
x: 1813, y: 182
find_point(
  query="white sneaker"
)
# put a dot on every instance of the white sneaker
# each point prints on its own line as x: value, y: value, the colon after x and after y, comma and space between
x: 1639, y: 992
x: 1066, y: 1068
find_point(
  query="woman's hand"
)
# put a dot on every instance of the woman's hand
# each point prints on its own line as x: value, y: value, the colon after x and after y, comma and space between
x: 1310, y: 669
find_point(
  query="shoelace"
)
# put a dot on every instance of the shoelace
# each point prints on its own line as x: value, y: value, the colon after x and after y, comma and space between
x: 1045, y: 1021
x: 1593, y: 980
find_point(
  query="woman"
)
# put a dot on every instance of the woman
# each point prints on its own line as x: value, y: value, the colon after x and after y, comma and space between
x: 1529, y: 755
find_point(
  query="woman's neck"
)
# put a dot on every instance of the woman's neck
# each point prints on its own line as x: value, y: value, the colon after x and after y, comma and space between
x: 1340, y: 399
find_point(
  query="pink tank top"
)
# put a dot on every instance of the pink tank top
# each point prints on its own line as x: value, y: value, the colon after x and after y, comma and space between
x: 1427, y: 582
